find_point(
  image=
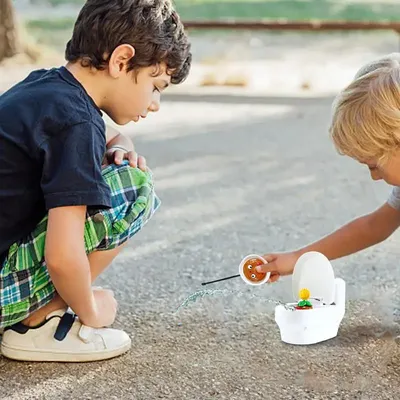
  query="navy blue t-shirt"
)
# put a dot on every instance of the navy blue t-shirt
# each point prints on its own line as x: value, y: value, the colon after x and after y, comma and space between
x: 52, y: 143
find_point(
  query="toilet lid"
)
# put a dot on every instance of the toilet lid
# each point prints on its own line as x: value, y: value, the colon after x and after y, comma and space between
x: 313, y: 271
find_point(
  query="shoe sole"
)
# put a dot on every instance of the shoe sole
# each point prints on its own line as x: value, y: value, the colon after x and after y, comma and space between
x: 42, y: 356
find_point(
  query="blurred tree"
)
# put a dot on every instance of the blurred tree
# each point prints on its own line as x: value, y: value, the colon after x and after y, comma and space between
x: 8, y: 30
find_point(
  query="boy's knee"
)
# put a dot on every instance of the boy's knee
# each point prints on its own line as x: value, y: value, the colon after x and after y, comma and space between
x: 125, y: 170
x: 133, y: 202
x: 127, y: 183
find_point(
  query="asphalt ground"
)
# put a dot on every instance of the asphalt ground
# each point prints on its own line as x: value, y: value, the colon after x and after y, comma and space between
x: 237, y: 175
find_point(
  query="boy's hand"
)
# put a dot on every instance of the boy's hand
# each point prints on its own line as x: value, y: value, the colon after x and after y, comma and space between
x: 116, y: 154
x: 106, y: 309
x: 119, y: 148
x: 279, y: 265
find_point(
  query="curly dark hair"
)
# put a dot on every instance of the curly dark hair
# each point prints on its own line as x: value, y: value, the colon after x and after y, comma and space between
x: 152, y: 27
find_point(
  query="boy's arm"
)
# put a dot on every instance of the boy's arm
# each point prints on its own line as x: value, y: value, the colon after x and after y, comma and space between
x: 69, y: 268
x: 66, y: 259
x: 120, y: 147
x: 355, y: 236
x: 71, y: 181
x: 359, y: 234
x: 115, y: 138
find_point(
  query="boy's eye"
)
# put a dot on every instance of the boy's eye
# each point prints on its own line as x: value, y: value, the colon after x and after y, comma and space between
x: 156, y: 89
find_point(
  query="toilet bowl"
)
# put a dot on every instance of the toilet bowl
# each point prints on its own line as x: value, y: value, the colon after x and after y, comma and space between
x: 309, y: 325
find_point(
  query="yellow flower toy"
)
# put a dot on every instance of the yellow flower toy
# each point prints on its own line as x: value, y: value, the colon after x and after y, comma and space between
x: 304, y: 303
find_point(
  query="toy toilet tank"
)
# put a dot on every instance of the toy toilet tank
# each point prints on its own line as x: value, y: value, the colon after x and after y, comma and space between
x: 320, y: 306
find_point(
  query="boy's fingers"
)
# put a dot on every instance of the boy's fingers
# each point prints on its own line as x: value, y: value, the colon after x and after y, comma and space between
x: 133, y: 158
x: 142, y: 163
x: 118, y: 156
x: 273, y: 277
x: 269, y: 257
x: 270, y: 267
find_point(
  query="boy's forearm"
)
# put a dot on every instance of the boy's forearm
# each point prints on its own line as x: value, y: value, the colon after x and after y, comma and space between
x: 72, y: 281
x: 347, y: 240
x: 357, y: 235
x: 67, y: 262
x: 114, y: 138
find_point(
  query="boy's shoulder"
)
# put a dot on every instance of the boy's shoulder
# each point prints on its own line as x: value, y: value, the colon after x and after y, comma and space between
x: 394, y: 197
x: 54, y: 96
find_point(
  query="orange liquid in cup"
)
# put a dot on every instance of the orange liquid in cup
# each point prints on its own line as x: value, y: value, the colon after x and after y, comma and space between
x: 249, y: 270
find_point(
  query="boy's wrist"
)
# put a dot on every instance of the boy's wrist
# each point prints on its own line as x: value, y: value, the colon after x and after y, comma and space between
x: 299, y: 252
x: 89, y: 316
x: 117, y: 147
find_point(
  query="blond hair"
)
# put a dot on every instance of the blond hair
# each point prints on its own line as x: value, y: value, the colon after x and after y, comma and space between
x: 366, y: 114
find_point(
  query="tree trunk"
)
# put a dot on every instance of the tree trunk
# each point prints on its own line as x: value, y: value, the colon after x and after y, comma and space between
x: 8, y: 30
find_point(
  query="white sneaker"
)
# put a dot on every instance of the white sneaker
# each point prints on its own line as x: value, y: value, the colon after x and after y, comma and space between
x: 62, y: 338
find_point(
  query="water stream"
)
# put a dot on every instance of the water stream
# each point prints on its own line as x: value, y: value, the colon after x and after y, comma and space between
x: 221, y: 292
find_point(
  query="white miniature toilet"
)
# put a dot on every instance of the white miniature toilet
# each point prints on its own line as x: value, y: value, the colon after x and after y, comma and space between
x: 313, y: 274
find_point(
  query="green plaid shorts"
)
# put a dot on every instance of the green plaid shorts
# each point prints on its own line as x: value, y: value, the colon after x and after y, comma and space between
x: 25, y: 284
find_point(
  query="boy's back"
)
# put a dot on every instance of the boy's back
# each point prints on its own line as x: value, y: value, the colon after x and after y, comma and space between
x: 49, y: 126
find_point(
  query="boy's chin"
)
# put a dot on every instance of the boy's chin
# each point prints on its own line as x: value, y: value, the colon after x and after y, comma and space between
x: 120, y: 120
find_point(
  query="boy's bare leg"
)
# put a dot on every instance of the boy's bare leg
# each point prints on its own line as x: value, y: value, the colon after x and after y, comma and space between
x: 99, y: 261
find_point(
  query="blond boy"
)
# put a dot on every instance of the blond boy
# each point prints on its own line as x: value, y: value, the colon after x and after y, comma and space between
x: 366, y: 127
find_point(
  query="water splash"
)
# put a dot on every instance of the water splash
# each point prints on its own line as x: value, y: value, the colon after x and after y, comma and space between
x: 203, y: 293
x: 219, y: 292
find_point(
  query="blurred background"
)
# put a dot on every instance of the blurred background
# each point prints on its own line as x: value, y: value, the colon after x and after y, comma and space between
x: 307, y: 61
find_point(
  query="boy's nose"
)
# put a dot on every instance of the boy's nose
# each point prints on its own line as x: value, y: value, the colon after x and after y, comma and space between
x: 155, y: 102
x: 154, y: 106
x: 376, y: 176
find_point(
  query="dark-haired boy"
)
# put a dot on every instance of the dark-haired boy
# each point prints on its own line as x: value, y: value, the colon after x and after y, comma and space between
x: 64, y: 218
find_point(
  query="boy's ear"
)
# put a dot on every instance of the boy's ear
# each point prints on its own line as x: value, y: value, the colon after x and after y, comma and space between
x: 119, y: 59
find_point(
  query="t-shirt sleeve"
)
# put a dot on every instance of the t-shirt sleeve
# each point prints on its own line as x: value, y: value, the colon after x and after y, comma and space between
x: 71, y: 173
x: 394, y: 198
